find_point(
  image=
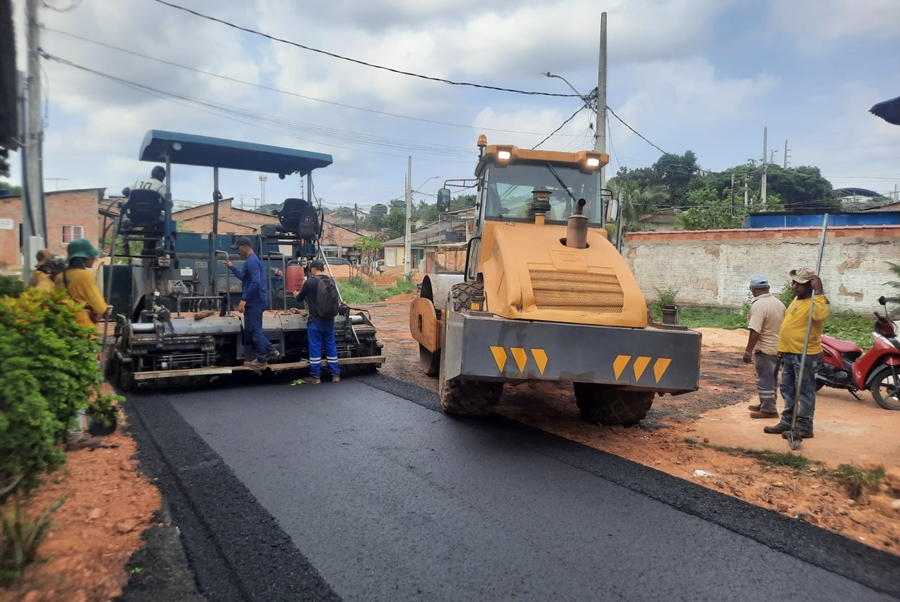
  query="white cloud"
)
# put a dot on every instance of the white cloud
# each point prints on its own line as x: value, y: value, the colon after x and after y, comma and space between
x: 814, y: 24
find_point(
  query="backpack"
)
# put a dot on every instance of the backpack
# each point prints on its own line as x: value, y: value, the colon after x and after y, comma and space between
x: 327, y: 299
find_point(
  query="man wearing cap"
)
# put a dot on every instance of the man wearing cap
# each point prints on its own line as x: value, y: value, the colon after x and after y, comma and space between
x: 320, y: 330
x: 766, y: 315
x: 254, y: 301
x: 40, y: 277
x: 804, y: 284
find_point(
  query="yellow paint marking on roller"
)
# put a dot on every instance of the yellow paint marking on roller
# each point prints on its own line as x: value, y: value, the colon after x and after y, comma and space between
x: 499, y: 354
x: 620, y: 363
x: 520, y: 356
x: 660, y: 367
x: 640, y: 364
x: 540, y: 358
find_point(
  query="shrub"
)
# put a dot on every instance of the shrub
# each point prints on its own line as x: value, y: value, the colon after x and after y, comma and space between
x: 48, y: 371
x: 786, y: 295
x: 10, y: 286
x: 21, y: 538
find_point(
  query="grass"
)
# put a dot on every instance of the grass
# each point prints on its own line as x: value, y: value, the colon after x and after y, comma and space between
x: 359, y: 290
x: 851, y: 327
x: 770, y: 458
x: 857, y: 480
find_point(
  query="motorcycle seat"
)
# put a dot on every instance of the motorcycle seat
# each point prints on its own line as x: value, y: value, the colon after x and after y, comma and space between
x: 840, y: 345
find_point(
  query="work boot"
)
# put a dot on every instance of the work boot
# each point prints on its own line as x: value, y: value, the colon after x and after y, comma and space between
x: 255, y: 364
x: 777, y: 429
x: 763, y: 414
x: 336, y: 378
x: 754, y: 407
x: 312, y: 380
x: 274, y: 355
x: 801, y: 434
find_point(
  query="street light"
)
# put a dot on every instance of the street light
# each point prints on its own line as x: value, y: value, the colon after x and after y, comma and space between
x: 584, y: 99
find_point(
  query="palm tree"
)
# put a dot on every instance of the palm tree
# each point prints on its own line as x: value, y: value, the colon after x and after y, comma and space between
x: 638, y: 204
x: 895, y: 270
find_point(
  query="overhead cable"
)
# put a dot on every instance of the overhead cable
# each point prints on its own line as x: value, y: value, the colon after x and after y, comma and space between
x: 357, y: 61
x: 279, y: 91
x: 580, y: 109
x: 330, y: 134
x: 635, y: 131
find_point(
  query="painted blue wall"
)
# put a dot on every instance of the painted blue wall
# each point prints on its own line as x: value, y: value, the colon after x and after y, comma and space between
x: 777, y: 220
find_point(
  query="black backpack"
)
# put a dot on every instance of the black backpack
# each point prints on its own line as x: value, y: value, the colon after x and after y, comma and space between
x: 327, y: 299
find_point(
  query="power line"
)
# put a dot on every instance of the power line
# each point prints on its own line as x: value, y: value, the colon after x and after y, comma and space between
x: 626, y: 125
x: 580, y: 109
x: 357, y: 61
x: 279, y: 91
x: 233, y: 112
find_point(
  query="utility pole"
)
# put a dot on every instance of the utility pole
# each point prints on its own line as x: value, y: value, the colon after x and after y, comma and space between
x: 355, y: 217
x: 762, y: 186
x: 406, y: 241
x: 242, y: 202
x: 262, y: 191
x: 785, y: 154
x: 732, y: 196
x: 34, y: 220
x: 772, y: 155
x: 600, y: 127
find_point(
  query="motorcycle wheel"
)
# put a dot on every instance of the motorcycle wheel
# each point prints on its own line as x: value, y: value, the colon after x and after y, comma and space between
x: 886, y: 389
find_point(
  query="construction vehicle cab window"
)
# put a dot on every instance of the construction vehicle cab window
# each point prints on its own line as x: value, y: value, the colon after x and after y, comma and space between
x: 546, y: 296
x: 509, y: 189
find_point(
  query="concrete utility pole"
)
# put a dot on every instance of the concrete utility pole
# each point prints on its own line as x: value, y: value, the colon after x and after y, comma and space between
x: 762, y: 186
x: 34, y: 220
x: 600, y: 129
x: 772, y: 155
x: 406, y: 241
x: 785, y: 154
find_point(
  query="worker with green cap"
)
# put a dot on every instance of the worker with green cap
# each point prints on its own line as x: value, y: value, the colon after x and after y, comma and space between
x: 79, y: 281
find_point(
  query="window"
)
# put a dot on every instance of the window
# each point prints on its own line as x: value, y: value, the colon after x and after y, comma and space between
x: 70, y: 233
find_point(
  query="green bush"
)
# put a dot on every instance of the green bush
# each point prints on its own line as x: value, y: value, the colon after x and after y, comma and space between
x: 787, y: 294
x: 48, y: 371
x: 359, y: 290
x: 11, y: 286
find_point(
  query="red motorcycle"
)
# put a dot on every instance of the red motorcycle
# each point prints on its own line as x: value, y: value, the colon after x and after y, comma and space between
x: 845, y: 366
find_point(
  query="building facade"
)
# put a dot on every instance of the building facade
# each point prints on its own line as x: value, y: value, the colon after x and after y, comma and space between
x: 71, y: 214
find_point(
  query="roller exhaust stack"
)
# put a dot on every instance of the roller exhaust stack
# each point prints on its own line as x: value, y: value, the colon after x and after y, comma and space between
x: 576, y: 232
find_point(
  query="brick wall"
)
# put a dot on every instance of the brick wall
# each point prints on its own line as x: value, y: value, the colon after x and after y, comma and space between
x: 714, y: 267
x: 64, y: 208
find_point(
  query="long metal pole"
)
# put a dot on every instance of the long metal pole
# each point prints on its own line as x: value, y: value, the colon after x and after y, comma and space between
x: 794, y: 440
x: 214, y: 239
x: 407, y: 247
x: 765, y: 166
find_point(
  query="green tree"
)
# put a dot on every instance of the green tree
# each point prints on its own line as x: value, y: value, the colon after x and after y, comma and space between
x: 16, y: 190
x: 368, y: 247
x: 708, y: 210
x: 638, y: 204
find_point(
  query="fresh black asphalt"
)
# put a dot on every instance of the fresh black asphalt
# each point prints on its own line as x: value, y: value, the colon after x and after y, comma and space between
x: 349, y: 491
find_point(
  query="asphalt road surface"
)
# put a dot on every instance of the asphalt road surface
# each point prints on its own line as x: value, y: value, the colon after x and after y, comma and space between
x: 364, y: 491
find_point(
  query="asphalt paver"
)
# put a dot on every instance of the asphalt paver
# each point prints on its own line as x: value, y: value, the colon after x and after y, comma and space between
x: 351, y: 491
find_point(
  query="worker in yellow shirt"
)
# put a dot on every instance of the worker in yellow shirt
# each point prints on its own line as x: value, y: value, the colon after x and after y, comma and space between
x: 78, y: 280
x: 804, y: 284
x: 40, y: 277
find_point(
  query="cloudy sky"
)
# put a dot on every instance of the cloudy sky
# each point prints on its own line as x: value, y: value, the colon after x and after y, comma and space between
x: 704, y: 75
